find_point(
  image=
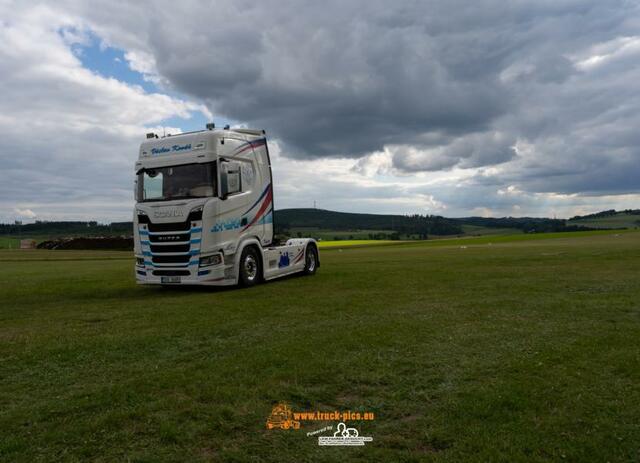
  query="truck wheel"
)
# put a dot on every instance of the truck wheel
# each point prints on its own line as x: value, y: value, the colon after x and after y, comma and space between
x: 250, y: 268
x: 310, y: 260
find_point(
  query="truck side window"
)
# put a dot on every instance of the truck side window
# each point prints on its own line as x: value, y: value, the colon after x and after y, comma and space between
x: 248, y: 175
x: 230, y: 177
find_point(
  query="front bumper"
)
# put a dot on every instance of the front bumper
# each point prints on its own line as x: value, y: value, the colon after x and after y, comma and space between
x: 219, y: 275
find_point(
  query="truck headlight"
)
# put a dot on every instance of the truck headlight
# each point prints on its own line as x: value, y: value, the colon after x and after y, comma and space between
x: 215, y: 259
x: 140, y: 261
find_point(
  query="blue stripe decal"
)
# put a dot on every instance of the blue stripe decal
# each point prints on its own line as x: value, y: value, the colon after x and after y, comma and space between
x: 266, y: 219
x: 194, y: 262
x: 259, y: 199
x: 196, y: 230
x: 250, y: 144
x: 146, y: 253
x: 196, y: 241
x: 146, y: 262
x: 143, y: 232
x: 194, y: 253
x: 144, y: 242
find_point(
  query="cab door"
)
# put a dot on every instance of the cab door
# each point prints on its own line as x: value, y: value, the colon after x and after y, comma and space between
x: 233, y: 200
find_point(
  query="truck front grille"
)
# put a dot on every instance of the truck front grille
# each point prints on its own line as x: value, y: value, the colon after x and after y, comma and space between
x: 159, y: 249
x: 171, y: 249
x: 158, y: 259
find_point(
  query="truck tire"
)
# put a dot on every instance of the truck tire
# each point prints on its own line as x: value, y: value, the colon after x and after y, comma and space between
x: 250, y: 267
x: 310, y: 260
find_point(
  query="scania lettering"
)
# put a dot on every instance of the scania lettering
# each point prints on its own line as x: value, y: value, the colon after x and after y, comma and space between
x: 204, y: 212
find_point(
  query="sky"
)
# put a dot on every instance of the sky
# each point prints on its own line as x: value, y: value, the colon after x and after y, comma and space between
x: 487, y: 108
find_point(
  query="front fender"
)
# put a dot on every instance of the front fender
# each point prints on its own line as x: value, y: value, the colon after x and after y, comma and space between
x: 236, y: 259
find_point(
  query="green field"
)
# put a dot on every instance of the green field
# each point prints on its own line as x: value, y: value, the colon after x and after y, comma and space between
x: 478, y: 349
x: 9, y: 243
x: 331, y: 235
x: 475, y: 230
x: 351, y: 243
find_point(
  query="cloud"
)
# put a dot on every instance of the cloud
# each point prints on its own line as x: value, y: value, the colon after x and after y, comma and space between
x: 473, y: 150
x: 416, y: 106
x: 69, y: 135
x: 25, y: 213
x: 336, y: 80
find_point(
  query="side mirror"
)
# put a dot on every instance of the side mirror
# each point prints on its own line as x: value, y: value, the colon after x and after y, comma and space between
x: 230, y: 181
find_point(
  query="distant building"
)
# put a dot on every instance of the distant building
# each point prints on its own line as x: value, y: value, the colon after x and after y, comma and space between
x: 27, y: 244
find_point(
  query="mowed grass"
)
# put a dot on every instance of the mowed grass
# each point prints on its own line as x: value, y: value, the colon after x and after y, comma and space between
x: 350, y: 243
x: 482, y: 351
x: 9, y: 242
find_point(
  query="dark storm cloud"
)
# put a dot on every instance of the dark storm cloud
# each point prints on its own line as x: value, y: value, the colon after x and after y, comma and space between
x: 336, y: 79
x: 529, y: 98
x: 351, y: 78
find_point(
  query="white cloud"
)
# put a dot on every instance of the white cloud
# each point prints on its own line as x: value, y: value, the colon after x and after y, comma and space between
x: 69, y: 135
x: 530, y: 108
x: 24, y: 214
x: 604, y: 53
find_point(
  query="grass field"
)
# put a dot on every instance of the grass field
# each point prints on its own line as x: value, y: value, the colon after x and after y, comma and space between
x: 487, y: 349
x: 329, y: 235
x: 9, y: 243
x: 351, y: 243
x: 475, y: 230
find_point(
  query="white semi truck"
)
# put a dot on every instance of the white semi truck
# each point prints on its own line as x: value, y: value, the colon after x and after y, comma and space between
x: 204, y: 212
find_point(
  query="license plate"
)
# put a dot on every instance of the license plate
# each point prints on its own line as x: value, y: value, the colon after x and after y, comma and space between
x: 170, y: 280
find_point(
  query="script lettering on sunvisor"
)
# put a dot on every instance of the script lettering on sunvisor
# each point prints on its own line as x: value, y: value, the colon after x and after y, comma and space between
x: 174, y: 149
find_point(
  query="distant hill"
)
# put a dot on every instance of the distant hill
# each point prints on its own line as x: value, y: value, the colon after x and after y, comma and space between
x: 628, y: 218
x: 607, y: 213
x: 77, y: 228
x: 324, y: 224
x: 524, y: 224
x: 421, y: 225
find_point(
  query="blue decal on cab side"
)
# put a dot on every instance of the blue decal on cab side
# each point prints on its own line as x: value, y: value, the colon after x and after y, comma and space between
x: 284, y: 260
x: 230, y: 224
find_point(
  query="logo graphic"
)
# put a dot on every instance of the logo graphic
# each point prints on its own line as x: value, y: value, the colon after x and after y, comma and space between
x: 282, y: 418
x: 344, y: 436
x: 168, y: 213
x: 169, y: 238
x: 284, y: 260
x: 169, y: 149
x: 229, y: 224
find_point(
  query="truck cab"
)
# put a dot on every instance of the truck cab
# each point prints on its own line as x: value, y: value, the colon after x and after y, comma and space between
x: 204, y: 212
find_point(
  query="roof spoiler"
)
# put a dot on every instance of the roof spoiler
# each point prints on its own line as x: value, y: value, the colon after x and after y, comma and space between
x: 250, y: 131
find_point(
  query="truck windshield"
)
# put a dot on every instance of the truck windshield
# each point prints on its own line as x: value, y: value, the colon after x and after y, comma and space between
x: 177, y: 182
